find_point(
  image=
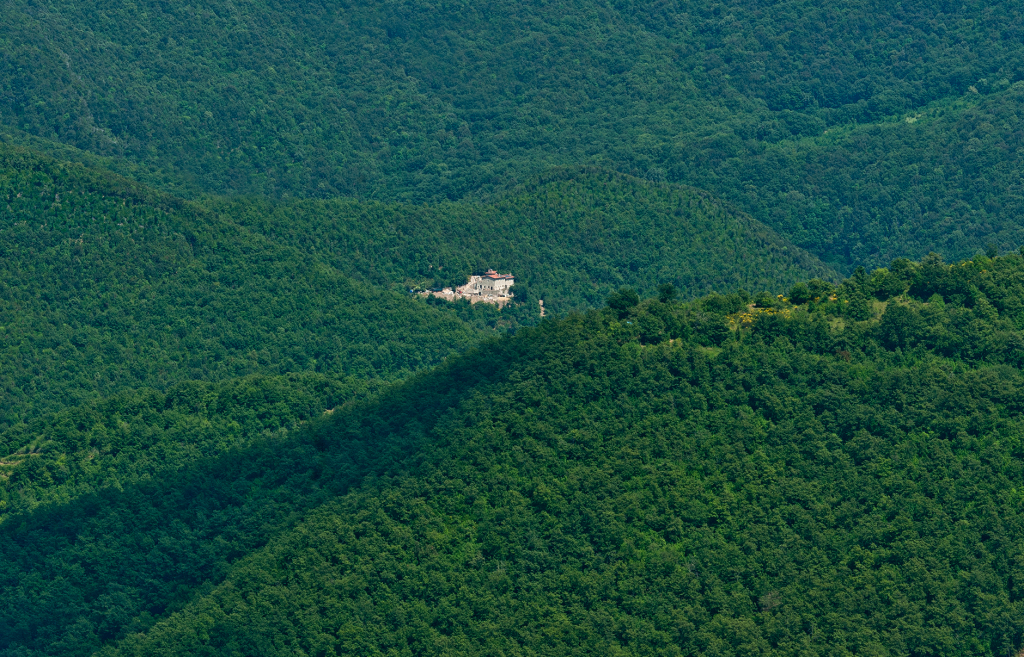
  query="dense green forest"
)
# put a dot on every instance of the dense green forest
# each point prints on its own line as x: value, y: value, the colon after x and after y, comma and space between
x: 131, y: 436
x: 107, y: 285
x: 835, y: 470
x: 571, y: 238
x: 763, y: 414
x: 795, y: 109
x: 945, y: 178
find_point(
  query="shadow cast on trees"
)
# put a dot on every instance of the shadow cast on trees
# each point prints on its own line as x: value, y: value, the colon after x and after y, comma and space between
x: 96, y: 568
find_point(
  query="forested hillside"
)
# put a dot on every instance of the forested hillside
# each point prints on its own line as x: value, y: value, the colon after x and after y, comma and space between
x: 132, y: 436
x: 945, y: 178
x: 571, y: 238
x: 833, y: 472
x: 763, y: 414
x: 106, y: 285
x: 422, y: 101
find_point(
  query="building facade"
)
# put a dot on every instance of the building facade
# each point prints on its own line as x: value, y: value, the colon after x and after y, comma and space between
x: 491, y: 284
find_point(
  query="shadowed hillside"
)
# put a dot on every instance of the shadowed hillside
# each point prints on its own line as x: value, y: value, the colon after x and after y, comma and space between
x: 831, y: 473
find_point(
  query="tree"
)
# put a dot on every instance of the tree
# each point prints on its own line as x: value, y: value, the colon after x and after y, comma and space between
x: 799, y: 294
x: 900, y: 327
x: 624, y: 300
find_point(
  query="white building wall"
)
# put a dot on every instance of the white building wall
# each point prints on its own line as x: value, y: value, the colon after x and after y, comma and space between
x: 488, y: 286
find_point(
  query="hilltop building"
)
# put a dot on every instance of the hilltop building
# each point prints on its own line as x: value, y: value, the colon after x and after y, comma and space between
x: 491, y: 287
x: 491, y: 284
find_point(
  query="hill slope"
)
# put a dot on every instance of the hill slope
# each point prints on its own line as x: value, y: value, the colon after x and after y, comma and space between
x: 107, y: 285
x: 134, y: 435
x: 418, y: 101
x: 946, y: 178
x: 408, y: 95
x: 571, y: 238
x: 838, y: 477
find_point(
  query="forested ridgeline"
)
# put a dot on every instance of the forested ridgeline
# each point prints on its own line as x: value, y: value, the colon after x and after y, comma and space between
x: 107, y: 285
x: 946, y: 178
x: 211, y: 473
x: 419, y: 101
x: 570, y: 238
x: 832, y: 471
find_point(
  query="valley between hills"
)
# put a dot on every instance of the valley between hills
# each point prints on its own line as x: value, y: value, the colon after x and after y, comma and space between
x: 773, y: 405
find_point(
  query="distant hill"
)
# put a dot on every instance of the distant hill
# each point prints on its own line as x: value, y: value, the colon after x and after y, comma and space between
x: 571, y: 238
x: 414, y: 102
x: 107, y: 285
x: 946, y: 178
x: 835, y: 473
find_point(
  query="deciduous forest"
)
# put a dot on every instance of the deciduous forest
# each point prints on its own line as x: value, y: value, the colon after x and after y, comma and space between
x: 757, y: 391
x: 836, y: 470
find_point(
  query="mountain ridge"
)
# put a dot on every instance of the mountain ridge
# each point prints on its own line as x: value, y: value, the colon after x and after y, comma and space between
x: 640, y: 478
x: 571, y: 237
x: 109, y: 284
x: 420, y: 103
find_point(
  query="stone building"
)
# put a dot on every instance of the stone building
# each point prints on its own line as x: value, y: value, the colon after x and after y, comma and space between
x: 492, y: 287
x: 491, y: 284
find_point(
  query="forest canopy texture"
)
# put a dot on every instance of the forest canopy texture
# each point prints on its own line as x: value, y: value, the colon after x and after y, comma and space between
x: 834, y: 472
x: 110, y: 285
x: 863, y: 132
x: 757, y: 390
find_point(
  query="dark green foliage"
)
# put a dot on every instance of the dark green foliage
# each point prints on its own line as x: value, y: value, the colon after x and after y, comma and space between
x: 807, y: 486
x: 141, y: 544
x: 667, y: 292
x: 134, y: 436
x: 862, y: 132
x: 800, y: 294
x: 900, y: 327
x: 106, y: 285
x: 889, y: 284
x: 945, y: 178
x: 623, y: 300
x: 199, y: 454
x: 573, y: 237
x: 725, y: 304
x: 434, y: 100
